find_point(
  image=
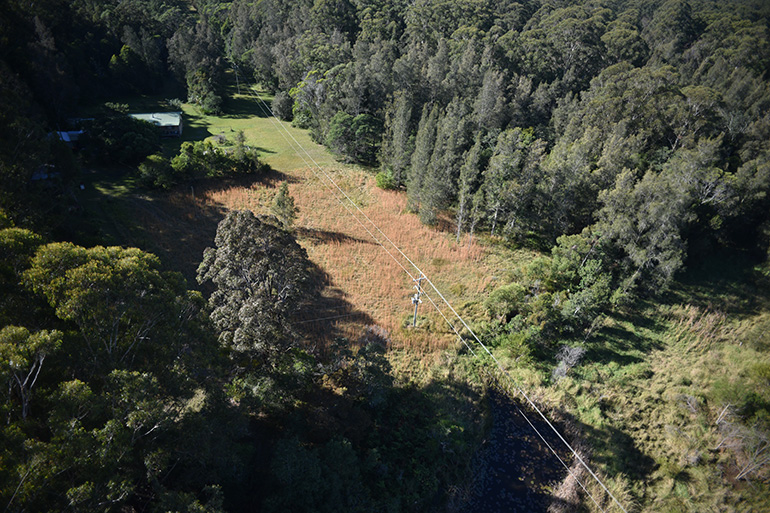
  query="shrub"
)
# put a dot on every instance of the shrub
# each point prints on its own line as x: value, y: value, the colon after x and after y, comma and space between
x: 120, y: 138
x: 283, y: 207
x: 282, y: 106
x: 202, y: 159
x: 211, y: 104
x: 506, y: 301
x: 156, y: 171
x: 385, y: 180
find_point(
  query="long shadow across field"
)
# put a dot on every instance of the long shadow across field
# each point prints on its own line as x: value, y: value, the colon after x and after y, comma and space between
x: 514, y: 469
x: 725, y: 281
x: 317, y: 319
x: 242, y: 107
x: 325, y: 236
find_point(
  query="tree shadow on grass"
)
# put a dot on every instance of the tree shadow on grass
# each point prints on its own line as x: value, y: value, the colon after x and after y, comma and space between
x: 194, y: 129
x: 260, y: 150
x: 637, y: 316
x: 245, y: 106
x: 725, y: 281
x: 619, y: 338
x: 317, y: 236
x: 516, y: 471
x: 318, y: 319
x: 614, y: 451
x: 270, y: 178
x: 603, y: 354
x: 171, y: 225
x: 176, y: 225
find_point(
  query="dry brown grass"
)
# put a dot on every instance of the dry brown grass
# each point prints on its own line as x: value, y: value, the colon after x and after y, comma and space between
x: 366, y: 274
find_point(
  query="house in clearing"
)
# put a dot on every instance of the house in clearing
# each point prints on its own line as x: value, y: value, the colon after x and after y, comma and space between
x: 170, y: 123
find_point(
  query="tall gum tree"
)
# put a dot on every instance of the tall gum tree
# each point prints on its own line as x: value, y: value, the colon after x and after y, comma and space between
x: 261, y: 275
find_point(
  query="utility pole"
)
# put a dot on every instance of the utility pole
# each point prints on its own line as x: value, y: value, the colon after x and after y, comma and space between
x: 416, y: 298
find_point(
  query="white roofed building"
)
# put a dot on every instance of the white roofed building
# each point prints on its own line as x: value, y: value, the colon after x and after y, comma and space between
x: 170, y: 123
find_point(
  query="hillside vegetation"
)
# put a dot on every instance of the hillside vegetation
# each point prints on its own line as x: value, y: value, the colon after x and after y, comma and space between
x: 586, y: 182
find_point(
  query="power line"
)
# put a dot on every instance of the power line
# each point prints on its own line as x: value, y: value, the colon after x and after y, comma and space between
x: 271, y: 116
x: 537, y: 431
x: 330, y: 318
x: 268, y: 111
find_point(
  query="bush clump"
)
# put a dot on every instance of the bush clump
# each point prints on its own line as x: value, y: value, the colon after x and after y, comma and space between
x: 282, y: 106
x: 200, y: 159
x: 385, y: 180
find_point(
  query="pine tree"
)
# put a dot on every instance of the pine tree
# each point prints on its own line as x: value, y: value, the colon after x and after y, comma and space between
x: 489, y: 108
x: 477, y: 212
x: 444, y: 166
x: 398, y: 142
x: 283, y: 207
x: 469, y: 175
x: 240, y: 146
x: 423, y: 148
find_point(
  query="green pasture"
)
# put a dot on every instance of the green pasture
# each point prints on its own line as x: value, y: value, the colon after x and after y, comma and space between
x: 247, y: 111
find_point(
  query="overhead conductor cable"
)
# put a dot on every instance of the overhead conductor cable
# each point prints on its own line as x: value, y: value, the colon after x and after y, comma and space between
x: 284, y: 132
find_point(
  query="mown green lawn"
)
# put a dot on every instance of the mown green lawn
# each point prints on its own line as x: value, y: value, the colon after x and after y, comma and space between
x: 245, y: 112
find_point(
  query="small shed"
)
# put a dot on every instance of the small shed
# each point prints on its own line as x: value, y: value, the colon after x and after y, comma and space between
x: 170, y: 123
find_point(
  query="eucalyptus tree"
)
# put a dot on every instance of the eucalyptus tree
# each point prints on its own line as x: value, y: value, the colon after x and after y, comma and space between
x: 261, y: 276
x: 129, y: 313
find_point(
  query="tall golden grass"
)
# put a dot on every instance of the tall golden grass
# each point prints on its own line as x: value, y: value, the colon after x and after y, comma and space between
x: 372, y: 275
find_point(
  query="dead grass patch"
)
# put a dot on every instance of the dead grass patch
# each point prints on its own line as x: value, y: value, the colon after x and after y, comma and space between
x: 359, y: 259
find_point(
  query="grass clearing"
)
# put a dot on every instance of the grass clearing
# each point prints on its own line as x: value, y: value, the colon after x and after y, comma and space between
x: 180, y: 223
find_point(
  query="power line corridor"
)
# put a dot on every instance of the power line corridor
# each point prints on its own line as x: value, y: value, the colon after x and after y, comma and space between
x: 457, y: 324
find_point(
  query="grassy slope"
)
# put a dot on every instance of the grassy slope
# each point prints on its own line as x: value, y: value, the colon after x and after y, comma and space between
x: 631, y: 395
x: 651, y: 388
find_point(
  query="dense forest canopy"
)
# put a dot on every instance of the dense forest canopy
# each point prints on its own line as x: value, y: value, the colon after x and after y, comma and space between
x: 674, y: 93
x: 625, y: 140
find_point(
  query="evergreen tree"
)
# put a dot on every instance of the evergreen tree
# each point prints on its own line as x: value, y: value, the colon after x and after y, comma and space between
x: 469, y: 177
x: 423, y: 149
x: 130, y: 314
x: 283, y: 207
x: 438, y: 67
x: 489, y: 109
x: 503, y: 166
x: 398, y: 142
x: 646, y: 220
x: 476, y: 212
x: 438, y: 187
x: 22, y: 356
x: 261, y: 276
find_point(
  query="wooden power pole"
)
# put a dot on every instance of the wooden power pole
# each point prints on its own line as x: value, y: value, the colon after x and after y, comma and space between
x: 416, y: 298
